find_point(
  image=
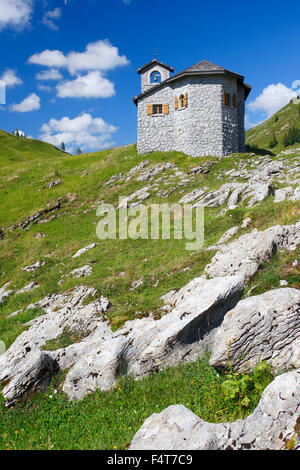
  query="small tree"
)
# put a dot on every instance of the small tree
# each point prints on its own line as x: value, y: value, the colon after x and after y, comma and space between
x: 78, y: 151
x: 285, y: 140
x: 63, y: 147
x: 273, y: 142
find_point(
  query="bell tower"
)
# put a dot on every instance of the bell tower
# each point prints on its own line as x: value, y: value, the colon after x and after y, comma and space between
x: 154, y: 73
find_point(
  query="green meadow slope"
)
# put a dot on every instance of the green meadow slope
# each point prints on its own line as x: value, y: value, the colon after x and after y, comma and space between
x: 109, y: 420
x: 260, y: 136
x: 16, y: 149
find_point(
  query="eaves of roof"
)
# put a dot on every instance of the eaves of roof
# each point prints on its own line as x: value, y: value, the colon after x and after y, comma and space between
x: 189, y: 73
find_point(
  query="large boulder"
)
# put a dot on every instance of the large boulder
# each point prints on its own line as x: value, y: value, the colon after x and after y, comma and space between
x: 246, y: 253
x: 63, y: 312
x: 270, y: 427
x: 261, y: 328
x: 145, y: 345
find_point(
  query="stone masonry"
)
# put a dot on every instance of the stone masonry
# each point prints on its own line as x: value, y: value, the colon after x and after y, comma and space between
x: 206, y: 125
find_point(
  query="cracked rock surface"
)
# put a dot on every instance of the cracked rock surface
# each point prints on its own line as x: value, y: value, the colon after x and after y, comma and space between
x: 146, y: 345
x: 261, y: 328
x: 269, y: 427
x: 246, y: 253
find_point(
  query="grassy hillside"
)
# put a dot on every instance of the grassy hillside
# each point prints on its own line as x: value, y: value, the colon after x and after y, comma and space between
x: 278, y: 125
x: 109, y: 420
x: 16, y: 149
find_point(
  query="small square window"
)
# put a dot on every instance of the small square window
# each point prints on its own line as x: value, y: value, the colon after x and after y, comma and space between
x: 157, y: 109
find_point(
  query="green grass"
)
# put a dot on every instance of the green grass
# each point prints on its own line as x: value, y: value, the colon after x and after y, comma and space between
x: 16, y: 150
x: 259, y: 137
x: 109, y: 420
x: 280, y: 267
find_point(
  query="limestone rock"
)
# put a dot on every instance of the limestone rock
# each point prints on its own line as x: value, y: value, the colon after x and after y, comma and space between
x: 258, y: 192
x: 271, y: 425
x: 34, y: 374
x: 144, y: 345
x: 84, y: 250
x: 296, y: 195
x: 30, y: 287
x: 229, y: 234
x: 192, y: 196
x: 82, y: 272
x: 141, y: 195
x: 63, y: 311
x: 149, y: 174
x: 4, y: 292
x: 282, y: 194
x: 53, y: 184
x: 33, y: 267
x: 261, y: 328
x: 246, y: 253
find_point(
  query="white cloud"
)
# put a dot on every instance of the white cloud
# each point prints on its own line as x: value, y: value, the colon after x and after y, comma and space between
x: 100, y: 55
x: 44, y: 88
x: 50, y: 16
x: 31, y: 103
x: 15, y: 13
x: 272, y: 98
x: 83, y: 131
x: 51, y: 74
x: 296, y: 84
x: 10, y: 78
x: 92, y: 85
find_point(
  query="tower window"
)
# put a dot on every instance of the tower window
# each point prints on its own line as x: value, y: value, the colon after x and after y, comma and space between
x: 155, y: 77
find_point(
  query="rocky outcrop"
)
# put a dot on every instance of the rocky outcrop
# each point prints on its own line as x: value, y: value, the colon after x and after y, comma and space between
x: 53, y: 184
x: 143, y: 345
x: 63, y: 311
x: 36, y: 218
x: 282, y: 194
x: 246, y: 253
x: 271, y: 425
x: 4, y: 292
x: 84, y: 250
x: 261, y: 328
x: 33, y: 267
x: 146, y: 345
x: 30, y: 287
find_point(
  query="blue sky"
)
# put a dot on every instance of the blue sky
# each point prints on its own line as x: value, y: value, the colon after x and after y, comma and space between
x: 70, y: 65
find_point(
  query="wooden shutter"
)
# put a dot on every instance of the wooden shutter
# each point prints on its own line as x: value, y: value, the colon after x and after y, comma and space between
x: 224, y: 98
x: 234, y: 101
x: 176, y: 102
x: 166, y: 108
x: 185, y: 101
x: 149, y: 109
x: 228, y: 99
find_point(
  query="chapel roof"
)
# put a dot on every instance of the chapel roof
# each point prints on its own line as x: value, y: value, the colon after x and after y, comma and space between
x: 157, y: 62
x: 204, y: 67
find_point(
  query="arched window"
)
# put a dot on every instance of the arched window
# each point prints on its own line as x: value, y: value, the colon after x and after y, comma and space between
x: 183, y: 101
x: 155, y: 77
